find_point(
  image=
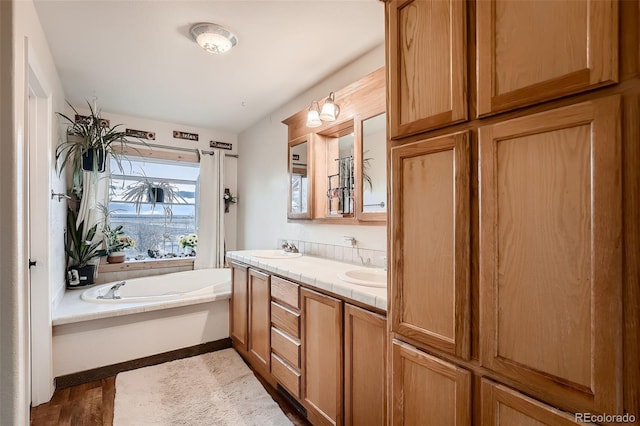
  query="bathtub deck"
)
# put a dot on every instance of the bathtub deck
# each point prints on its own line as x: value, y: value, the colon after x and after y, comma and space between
x: 72, y: 309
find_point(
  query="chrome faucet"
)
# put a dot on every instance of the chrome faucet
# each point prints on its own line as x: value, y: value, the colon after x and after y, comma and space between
x: 114, y: 291
x: 289, y: 247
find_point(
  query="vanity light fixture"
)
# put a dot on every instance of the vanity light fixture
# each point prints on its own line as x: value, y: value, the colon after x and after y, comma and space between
x: 330, y: 111
x: 213, y: 38
x: 313, y: 115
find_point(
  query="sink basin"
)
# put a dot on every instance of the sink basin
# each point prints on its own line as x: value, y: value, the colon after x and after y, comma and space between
x: 369, y: 277
x: 275, y: 254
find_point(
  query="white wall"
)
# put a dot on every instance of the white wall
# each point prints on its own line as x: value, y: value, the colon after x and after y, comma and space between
x: 21, y: 31
x: 262, y: 174
x: 164, y: 136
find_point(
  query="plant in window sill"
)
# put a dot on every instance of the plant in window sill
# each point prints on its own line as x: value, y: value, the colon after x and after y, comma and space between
x: 229, y: 199
x: 189, y: 243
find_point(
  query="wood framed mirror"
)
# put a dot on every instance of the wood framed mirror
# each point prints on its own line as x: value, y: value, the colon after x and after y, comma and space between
x: 300, y: 163
x: 371, y: 168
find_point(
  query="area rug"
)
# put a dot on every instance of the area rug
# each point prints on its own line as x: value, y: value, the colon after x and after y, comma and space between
x: 216, y: 388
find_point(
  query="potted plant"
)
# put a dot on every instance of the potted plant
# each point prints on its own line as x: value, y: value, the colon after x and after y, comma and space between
x: 116, y: 241
x: 81, y: 249
x: 229, y: 199
x: 153, y: 192
x: 90, y: 141
x: 188, y: 243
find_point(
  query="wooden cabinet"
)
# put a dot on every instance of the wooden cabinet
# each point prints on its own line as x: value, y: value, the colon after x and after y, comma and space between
x: 259, y: 319
x: 285, y: 334
x: 428, y: 391
x: 502, y: 406
x: 430, y: 251
x: 322, y: 357
x: 426, y: 51
x: 365, y: 349
x: 532, y: 51
x: 238, y: 306
x: 551, y: 255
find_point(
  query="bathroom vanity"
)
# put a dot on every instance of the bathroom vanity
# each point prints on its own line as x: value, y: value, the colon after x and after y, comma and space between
x: 317, y: 337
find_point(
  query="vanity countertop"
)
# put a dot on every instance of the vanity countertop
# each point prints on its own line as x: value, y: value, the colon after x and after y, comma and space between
x: 316, y: 272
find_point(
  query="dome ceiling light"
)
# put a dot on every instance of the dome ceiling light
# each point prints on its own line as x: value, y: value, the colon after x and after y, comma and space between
x: 213, y: 38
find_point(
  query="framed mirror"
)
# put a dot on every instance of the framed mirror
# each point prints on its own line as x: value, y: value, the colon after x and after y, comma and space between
x: 300, y: 172
x: 371, y: 178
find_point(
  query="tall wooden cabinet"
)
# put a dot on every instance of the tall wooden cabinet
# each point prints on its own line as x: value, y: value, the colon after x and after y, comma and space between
x: 550, y: 252
x: 427, y: 64
x: 431, y: 223
x: 513, y: 252
x: 530, y: 51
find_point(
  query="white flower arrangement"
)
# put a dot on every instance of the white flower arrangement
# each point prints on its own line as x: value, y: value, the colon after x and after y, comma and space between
x: 189, y: 240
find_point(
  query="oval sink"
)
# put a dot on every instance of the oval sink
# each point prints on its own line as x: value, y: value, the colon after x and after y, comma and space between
x: 369, y: 277
x: 275, y: 254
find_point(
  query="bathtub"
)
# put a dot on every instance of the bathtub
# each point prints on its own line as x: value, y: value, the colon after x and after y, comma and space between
x: 174, y: 286
x: 156, y: 314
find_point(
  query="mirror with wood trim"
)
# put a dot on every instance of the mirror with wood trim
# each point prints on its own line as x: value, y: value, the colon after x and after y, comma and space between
x: 300, y: 182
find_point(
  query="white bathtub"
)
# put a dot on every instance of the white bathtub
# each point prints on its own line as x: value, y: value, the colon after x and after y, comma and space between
x: 155, y: 315
x: 178, y: 285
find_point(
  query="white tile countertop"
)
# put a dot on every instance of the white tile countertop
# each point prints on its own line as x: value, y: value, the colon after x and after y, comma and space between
x: 316, y: 272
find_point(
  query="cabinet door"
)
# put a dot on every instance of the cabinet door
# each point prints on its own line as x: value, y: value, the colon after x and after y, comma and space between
x: 530, y: 51
x: 322, y: 357
x: 365, y: 362
x: 502, y: 406
x: 259, y: 318
x: 428, y: 391
x: 426, y: 48
x: 430, y: 281
x: 239, y: 299
x: 550, y: 254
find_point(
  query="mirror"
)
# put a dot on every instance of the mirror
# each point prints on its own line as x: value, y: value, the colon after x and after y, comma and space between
x: 299, y: 179
x: 340, y: 177
x: 373, y: 164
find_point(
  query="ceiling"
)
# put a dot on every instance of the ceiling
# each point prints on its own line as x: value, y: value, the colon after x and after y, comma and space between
x: 138, y: 59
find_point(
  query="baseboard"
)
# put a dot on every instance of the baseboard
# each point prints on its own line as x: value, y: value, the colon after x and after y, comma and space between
x: 111, y: 370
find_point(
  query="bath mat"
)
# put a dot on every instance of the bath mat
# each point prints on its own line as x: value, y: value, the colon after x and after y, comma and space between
x: 216, y: 388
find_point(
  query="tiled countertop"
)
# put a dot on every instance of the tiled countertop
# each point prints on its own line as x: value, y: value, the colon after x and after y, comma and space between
x: 318, y: 273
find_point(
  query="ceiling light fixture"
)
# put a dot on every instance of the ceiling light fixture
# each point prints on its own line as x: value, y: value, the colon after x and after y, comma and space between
x: 213, y: 38
x: 330, y: 111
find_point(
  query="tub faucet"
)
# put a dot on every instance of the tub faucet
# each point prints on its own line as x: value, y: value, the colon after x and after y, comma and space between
x: 289, y: 247
x: 114, y: 291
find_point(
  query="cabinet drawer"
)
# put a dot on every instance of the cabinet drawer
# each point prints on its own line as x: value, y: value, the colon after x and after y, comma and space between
x: 285, y: 319
x: 286, y: 347
x: 285, y: 375
x: 285, y: 292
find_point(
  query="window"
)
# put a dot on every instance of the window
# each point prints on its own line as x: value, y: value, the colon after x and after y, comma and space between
x: 155, y: 233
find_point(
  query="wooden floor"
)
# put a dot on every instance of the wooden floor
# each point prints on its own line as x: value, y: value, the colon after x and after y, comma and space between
x: 91, y: 404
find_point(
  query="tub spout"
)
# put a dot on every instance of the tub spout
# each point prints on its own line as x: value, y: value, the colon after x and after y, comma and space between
x: 114, y: 291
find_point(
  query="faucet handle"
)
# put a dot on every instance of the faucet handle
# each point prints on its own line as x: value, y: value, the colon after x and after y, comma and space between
x: 350, y: 239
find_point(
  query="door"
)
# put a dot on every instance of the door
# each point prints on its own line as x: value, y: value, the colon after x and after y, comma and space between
x: 532, y: 51
x: 39, y: 233
x: 322, y: 357
x: 426, y: 47
x: 259, y: 319
x: 551, y: 253
x: 430, y: 278
x: 426, y: 390
x: 365, y: 367
x: 239, y: 305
